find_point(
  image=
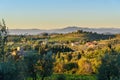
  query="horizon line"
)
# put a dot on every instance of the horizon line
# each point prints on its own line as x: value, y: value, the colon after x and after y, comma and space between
x: 69, y: 27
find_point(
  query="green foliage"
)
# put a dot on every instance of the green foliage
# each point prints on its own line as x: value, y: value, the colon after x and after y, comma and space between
x: 11, y: 70
x: 42, y: 50
x: 61, y: 48
x: 70, y: 66
x: 71, y: 77
x: 110, y: 67
x: 45, y: 65
x: 69, y: 57
x: 7, y: 71
x: 8, y: 67
x: 44, y: 34
x: 85, y: 66
x: 38, y: 65
x: 78, y: 56
x: 80, y: 35
x: 58, y: 55
x: 79, y: 59
x: 30, y: 60
x: 3, y: 39
x: 61, y: 77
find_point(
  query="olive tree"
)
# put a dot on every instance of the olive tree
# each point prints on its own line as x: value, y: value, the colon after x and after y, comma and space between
x: 110, y: 67
x: 45, y: 65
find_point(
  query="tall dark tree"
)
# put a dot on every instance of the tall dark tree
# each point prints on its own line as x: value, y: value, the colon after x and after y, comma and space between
x: 30, y: 60
x: 8, y: 66
x: 3, y: 39
x: 46, y: 65
x: 110, y: 67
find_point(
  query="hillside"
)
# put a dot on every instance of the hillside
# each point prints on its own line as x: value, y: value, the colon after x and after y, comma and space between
x: 81, y: 36
x: 65, y: 30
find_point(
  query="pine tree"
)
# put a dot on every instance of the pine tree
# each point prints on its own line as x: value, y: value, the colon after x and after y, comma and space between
x: 3, y: 40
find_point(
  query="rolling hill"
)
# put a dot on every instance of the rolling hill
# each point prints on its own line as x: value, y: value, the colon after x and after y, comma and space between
x: 65, y: 30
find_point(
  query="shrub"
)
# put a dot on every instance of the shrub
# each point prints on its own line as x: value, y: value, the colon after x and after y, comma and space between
x: 69, y: 57
x: 70, y: 66
x: 61, y: 77
x: 85, y: 66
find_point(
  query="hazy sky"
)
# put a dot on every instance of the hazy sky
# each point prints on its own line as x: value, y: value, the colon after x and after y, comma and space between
x: 49, y: 14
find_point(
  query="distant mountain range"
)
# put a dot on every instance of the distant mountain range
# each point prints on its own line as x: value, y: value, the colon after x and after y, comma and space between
x: 65, y: 30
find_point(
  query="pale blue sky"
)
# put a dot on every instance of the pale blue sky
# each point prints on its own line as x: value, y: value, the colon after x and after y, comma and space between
x: 49, y: 14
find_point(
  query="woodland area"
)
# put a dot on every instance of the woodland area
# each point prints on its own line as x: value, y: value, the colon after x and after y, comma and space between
x: 78, y: 55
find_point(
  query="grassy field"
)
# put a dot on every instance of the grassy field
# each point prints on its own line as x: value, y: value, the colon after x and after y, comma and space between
x: 68, y: 37
x: 69, y: 77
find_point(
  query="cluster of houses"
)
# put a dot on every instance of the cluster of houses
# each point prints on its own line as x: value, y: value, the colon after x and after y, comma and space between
x: 91, y: 44
x: 88, y: 44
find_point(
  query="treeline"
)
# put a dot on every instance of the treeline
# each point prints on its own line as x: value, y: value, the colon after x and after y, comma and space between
x: 91, y: 36
x: 80, y: 36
